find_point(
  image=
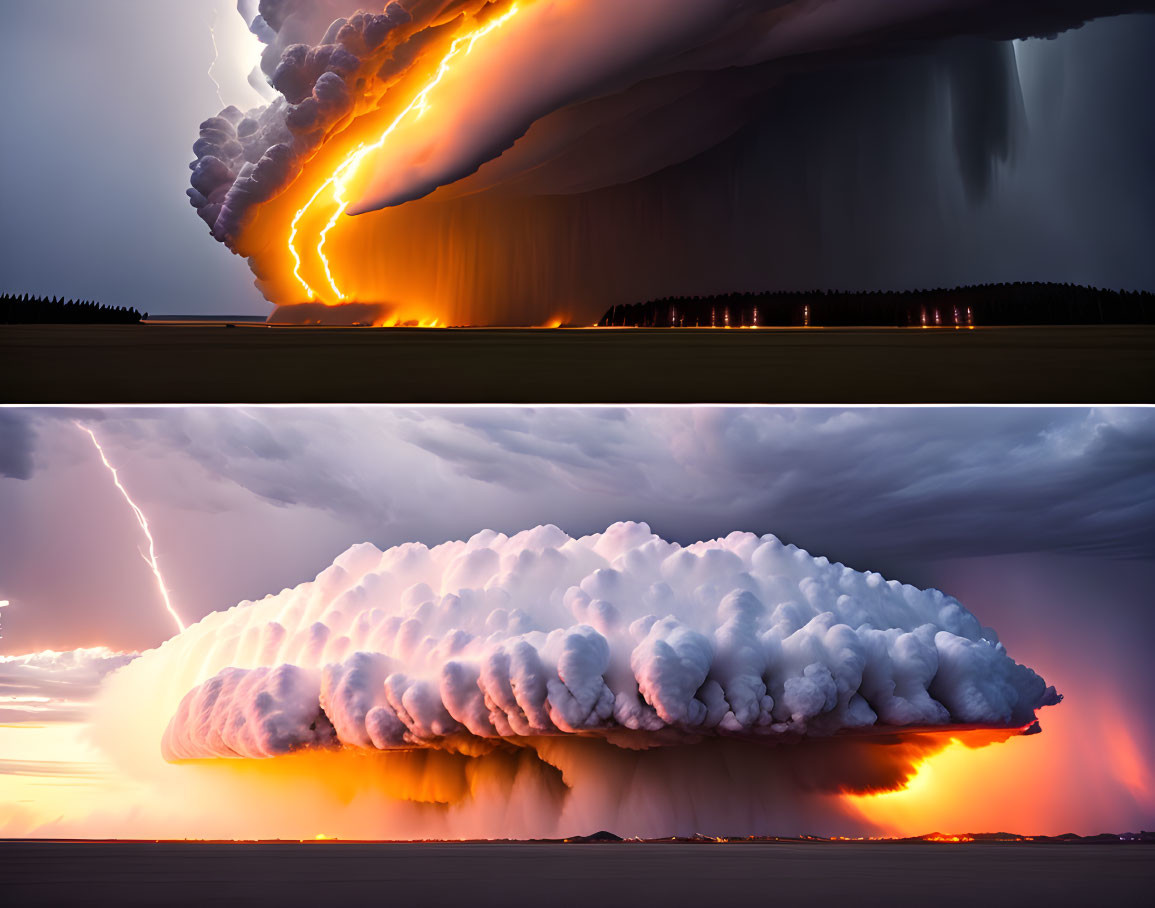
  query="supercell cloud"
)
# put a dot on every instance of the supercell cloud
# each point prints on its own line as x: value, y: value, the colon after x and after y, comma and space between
x: 601, y: 657
x: 562, y: 100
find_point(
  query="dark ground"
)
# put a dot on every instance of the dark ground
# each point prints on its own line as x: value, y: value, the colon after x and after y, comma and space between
x: 258, y: 364
x: 889, y: 874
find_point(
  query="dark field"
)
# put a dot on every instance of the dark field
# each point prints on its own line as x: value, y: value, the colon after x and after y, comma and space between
x: 259, y: 364
x: 559, y: 875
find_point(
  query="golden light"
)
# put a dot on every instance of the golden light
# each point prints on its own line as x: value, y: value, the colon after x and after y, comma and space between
x: 337, y: 182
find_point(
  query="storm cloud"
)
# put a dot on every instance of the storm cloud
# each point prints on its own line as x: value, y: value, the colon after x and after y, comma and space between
x: 513, y: 683
x: 943, y: 482
x: 621, y: 127
x: 619, y: 634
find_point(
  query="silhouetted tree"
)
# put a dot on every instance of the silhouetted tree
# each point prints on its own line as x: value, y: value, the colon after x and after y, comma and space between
x: 1023, y: 303
x: 26, y: 309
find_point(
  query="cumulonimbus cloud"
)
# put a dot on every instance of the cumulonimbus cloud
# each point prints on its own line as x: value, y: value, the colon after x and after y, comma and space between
x: 564, y: 99
x: 538, y: 684
x: 321, y: 53
x: 621, y: 635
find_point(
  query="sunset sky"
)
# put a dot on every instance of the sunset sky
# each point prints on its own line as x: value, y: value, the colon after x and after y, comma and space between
x: 1036, y: 519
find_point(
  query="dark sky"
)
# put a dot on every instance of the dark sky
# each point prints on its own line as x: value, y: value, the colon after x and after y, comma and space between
x: 245, y: 501
x: 106, y: 98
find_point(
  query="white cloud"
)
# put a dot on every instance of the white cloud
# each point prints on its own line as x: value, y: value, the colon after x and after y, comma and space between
x: 621, y: 635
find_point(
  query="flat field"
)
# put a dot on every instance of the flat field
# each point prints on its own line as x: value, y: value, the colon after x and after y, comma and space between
x: 885, y: 874
x: 255, y: 363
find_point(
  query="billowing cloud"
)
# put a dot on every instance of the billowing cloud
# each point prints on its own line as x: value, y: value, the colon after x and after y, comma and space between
x: 560, y: 100
x: 54, y: 686
x: 620, y: 633
x: 878, y: 480
x: 618, y: 652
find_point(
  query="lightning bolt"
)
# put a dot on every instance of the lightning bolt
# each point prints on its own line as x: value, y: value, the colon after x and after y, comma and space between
x: 216, y: 57
x: 339, y: 179
x: 150, y: 558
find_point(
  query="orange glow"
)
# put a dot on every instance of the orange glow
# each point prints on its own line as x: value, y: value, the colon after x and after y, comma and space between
x: 338, y: 180
x: 420, y: 776
x: 944, y: 791
x: 1125, y: 757
x: 1013, y: 787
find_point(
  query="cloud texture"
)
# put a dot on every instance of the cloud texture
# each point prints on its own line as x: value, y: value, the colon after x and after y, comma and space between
x: 589, y: 98
x: 321, y: 54
x: 54, y: 686
x: 620, y: 635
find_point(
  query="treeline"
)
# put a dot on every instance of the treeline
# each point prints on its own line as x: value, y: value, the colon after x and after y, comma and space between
x: 985, y: 304
x: 26, y: 310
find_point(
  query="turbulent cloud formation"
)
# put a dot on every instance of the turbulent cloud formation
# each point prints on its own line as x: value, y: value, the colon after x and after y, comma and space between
x: 620, y: 635
x: 889, y: 489
x: 563, y: 99
x: 879, y: 480
x: 54, y: 687
x: 536, y: 684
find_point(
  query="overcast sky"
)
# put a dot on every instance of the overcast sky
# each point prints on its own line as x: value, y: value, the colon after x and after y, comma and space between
x: 245, y: 501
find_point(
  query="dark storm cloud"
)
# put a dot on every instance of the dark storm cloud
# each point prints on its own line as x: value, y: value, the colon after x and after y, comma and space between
x: 963, y: 481
x: 985, y: 108
x: 666, y: 39
x: 1079, y: 208
x: 17, y: 440
x: 937, y: 482
x: 286, y: 462
x: 696, y: 73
